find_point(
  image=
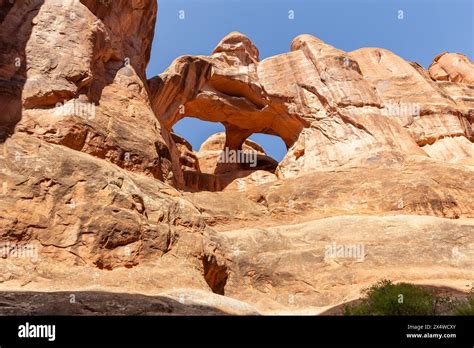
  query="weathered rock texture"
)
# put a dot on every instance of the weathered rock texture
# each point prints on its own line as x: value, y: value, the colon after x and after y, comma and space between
x: 294, y: 266
x: 330, y: 107
x: 86, y: 209
x: 78, y: 74
x: 98, y: 193
x: 452, y: 67
x: 438, y: 120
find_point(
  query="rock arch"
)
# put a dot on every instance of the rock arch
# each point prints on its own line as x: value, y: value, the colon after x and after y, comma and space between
x: 328, y: 106
x: 225, y: 88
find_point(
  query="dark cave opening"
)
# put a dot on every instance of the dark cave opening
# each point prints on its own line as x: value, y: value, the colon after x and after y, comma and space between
x: 215, y: 275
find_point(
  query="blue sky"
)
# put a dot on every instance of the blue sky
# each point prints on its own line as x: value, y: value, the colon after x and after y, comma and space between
x: 428, y: 28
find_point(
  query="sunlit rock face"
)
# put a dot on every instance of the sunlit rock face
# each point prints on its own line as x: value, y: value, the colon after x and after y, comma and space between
x: 331, y: 108
x: 77, y: 69
x: 453, y: 67
x: 96, y: 189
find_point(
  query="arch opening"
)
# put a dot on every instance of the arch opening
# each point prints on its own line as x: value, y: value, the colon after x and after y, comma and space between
x: 213, y: 155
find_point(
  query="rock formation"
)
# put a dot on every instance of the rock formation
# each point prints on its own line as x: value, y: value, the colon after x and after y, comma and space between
x: 453, y: 67
x: 98, y: 193
x: 82, y: 81
x: 331, y: 108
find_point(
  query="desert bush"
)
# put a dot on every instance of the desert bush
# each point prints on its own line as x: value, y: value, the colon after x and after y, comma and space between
x: 387, y: 298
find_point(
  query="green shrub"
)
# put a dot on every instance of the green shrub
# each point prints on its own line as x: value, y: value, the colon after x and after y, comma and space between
x: 386, y: 298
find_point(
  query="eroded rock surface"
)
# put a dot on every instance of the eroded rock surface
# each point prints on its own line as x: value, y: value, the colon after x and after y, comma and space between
x: 82, y: 209
x: 306, y: 266
x: 454, y: 67
x: 78, y: 72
